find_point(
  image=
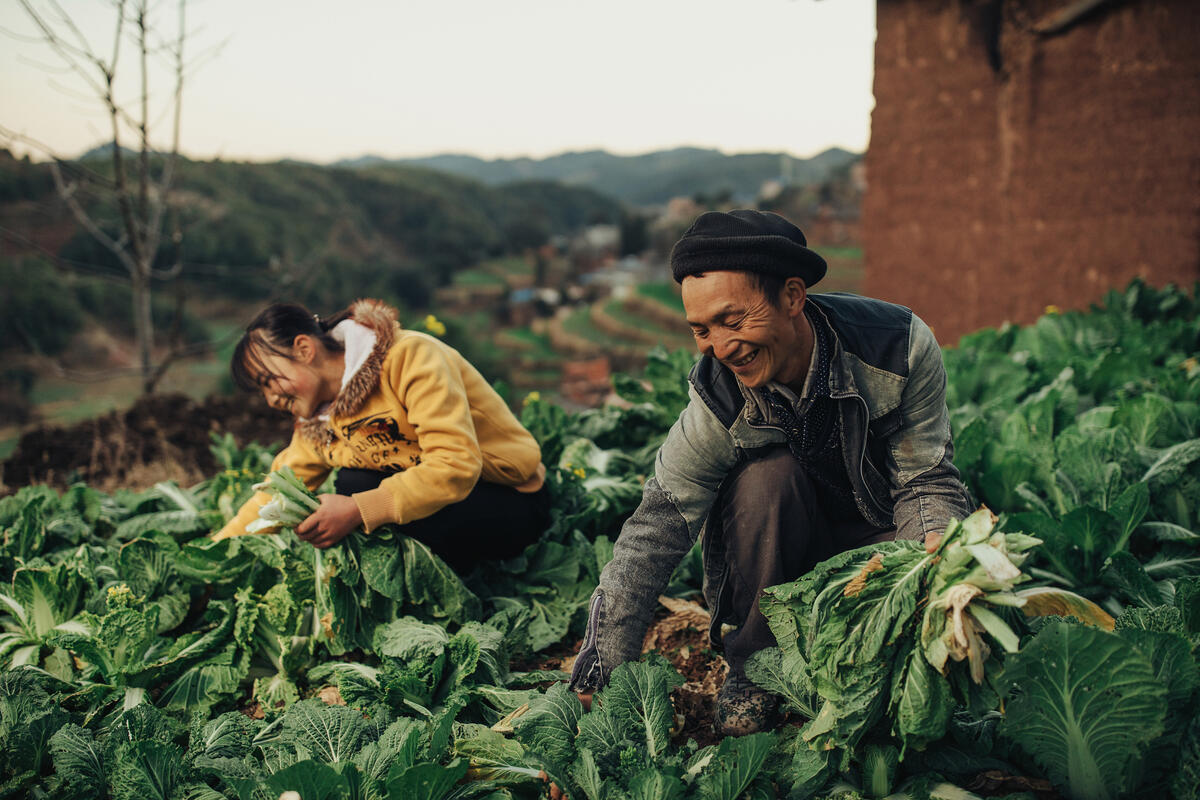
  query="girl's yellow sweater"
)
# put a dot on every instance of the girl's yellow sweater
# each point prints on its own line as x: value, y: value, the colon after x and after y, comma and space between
x: 415, y: 406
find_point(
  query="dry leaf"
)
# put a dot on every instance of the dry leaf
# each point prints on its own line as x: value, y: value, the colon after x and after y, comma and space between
x: 331, y: 696
x: 678, y: 606
x: 505, y: 725
x: 1043, y: 601
x: 859, y: 582
x: 959, y: 597
x: 684, y: 615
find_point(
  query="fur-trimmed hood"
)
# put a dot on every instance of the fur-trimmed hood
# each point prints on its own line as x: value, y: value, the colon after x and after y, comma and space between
x: 367, y: 335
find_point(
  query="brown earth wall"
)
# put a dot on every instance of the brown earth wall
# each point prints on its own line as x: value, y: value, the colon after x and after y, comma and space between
x: 1070, y: 171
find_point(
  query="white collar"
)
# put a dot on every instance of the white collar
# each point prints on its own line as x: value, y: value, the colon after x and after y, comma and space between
x: 358, y: 342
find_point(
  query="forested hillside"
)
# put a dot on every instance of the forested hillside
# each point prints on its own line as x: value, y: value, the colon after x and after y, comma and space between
x: 321, y: 233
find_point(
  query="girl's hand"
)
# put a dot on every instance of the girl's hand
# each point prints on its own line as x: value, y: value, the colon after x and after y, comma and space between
x: 329, y: 524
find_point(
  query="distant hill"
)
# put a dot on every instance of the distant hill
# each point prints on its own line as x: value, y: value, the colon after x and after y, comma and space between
x: 316, y: 233
x: 648, y: 179
x: 399, y: 229
x: 105, y: 151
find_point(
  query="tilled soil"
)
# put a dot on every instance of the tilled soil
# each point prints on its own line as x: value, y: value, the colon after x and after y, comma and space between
x: 161, y: 437
x: 679, y: 633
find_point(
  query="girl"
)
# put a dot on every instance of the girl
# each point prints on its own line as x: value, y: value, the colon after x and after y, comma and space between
x: 421, y: 439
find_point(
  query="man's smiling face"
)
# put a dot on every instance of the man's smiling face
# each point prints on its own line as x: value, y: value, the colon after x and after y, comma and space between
x: 735, y: 323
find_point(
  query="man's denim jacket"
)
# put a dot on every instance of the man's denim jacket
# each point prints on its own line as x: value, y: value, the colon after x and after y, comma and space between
x: 888, y: 379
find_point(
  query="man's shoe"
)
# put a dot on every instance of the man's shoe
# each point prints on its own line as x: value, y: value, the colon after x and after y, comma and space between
x: 743, y: 708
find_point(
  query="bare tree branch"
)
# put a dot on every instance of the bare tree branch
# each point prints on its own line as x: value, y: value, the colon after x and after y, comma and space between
x: 67, y: 193
x: 72, y: 168
x: 60, y: 263
x: 56, y: 367
x: 70, y: 55
x: 168, y: 173
x: 140, y: 186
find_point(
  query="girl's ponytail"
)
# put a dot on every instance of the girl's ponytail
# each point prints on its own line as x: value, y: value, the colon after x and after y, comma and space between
x: 329, y: 323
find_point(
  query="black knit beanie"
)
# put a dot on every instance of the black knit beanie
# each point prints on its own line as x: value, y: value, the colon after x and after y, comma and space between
x: 752, y: 241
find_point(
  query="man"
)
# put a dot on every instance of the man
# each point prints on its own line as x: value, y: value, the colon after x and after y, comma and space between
x: 817, y: 424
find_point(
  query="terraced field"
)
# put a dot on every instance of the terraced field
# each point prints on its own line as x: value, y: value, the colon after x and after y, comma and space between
x: 623, y: 329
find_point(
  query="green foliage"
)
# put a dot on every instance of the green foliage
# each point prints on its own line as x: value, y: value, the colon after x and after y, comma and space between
x: 332, y: 734
x: 36, y: 315
x: 141, y: 638
x: 1186, y: 783
x: 604, y: 455
x: 870, y: 639
x: 784, y: 672
x: 623, y: 746
x: 22, y: 179
x: 879, y: 770
x: 1084, y: 704
x: 37, y: 520
x: 29, y: 719
x: 1082, y: 429
x: 291, y: 502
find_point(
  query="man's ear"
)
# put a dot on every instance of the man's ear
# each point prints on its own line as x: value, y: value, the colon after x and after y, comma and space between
x: 795, y: 293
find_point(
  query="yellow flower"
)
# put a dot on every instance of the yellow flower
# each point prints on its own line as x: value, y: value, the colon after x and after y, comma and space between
x: 532, y: 397
x: 434, y: 325
x: 1051, y: 309
x: 580, y: 472
x: 120, y: 596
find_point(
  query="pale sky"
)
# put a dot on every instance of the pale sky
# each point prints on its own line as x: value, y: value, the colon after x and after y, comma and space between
x: 321, y: 81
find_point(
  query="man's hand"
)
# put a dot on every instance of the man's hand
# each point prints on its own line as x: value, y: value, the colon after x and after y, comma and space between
x: 329, y: 524
x: 932, y: 540
x: 553, y: 790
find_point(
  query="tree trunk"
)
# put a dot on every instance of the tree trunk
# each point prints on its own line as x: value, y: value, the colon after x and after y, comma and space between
x: 143, y: 326
x: 139, y: 196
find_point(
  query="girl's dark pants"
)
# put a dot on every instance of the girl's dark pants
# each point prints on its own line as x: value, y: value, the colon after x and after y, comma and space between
x: 493, y: 522
x: 774, y: 529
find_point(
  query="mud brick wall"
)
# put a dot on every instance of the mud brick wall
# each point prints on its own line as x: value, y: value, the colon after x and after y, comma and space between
x: 1071, y: 170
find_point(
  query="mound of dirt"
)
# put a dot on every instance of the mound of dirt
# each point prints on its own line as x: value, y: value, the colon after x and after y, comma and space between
x: 161, y: 437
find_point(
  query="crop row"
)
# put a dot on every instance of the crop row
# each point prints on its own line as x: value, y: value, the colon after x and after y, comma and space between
x: 1051, y: 644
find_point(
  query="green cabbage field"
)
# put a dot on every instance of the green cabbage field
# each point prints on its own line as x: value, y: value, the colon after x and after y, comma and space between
x: 1049, y: 647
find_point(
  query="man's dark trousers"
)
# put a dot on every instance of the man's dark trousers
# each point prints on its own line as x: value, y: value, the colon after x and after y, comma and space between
x: 774, y: 529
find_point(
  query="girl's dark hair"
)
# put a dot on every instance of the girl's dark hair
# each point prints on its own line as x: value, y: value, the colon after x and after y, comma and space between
x: 273, y: 331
